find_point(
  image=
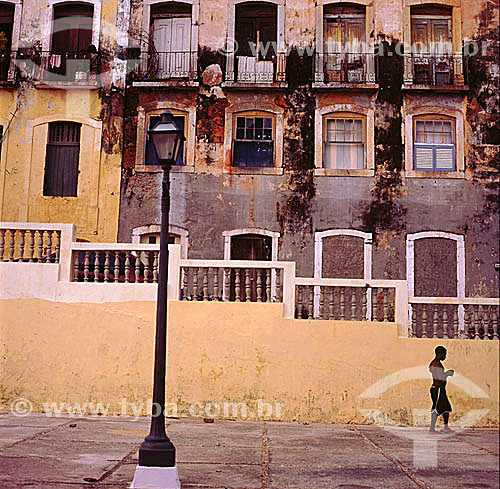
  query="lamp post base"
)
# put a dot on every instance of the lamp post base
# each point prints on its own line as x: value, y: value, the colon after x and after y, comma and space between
x: 156, y: 478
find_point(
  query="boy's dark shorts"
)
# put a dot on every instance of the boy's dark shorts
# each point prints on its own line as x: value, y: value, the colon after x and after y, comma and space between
x: 440, y: 402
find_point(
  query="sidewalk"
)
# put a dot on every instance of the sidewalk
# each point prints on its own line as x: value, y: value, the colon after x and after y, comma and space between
x: 101, y: 452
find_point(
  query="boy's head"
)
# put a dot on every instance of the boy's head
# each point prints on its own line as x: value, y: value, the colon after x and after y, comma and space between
x: 440, y: 352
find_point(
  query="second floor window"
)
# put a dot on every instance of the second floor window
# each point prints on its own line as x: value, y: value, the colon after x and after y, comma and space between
x: 61, y: 160
x: 344, y: 35
x: 254, y: 143
x: 434, y: 147
x: 72, y: 29
x: 344, y: 143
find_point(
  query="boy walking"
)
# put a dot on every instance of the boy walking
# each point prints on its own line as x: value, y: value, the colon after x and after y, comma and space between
x: 440, y: 403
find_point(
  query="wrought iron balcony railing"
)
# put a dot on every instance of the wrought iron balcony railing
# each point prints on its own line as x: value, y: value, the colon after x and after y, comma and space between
x: 7, y: 67
x: 434, y: 69
x: 251, y: 70
x: 60, y: 67
x: 162, y: 66
x: 345, y: 68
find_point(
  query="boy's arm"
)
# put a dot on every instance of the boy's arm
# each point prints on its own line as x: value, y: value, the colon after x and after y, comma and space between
x: 449, y: 373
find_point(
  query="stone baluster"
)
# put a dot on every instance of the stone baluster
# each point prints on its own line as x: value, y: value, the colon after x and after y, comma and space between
x: 268, y: 285
x: 455, y: 322
x: 375, y: 304
x: 216, y: 283
x: 445, y: 321
x: 156, y: 254
x: 494, y: 321
x: 12, y: 241
x: 49, y: 247
x: 106, y: 266
x: 248, y: 286
x: 2, y: 243
x: 21, y: 245
x: 483, y: 323
x: 195, y: 283
x: 40, y: 245
x: 321, y: 302
x: 298, y: 297
x: 310, y: 303
x: 477, y: 321
x: 137, y: 267
x: 279, y: 290
x: 467, y: 320
x: 237, y: 285
x: 435, y: 321
x: 97, y: 265
x: 413, y: 309
x: 364, y: 305
x: 184, y: 281
x: 331, y: 310
x: 127, y: 267
x: 205, y: 284
x: 32, y: 245
x: 76, y: 266
x: 58, y: 245
x: 424, y: 321
x: 353, y: 304
x: 259, y: 284
x: 227, y: 283
x: 147, y: 267
x: 385, y: 294
x: 86, y: 266
x: 116, y: 271
x: 342, y: 305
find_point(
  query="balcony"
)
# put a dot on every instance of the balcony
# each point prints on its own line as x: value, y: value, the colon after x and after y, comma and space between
x: 249, y: 71
x: 340, y: 70
x: 445, y: 71
x: 166, y: 68
x: 60, y: 69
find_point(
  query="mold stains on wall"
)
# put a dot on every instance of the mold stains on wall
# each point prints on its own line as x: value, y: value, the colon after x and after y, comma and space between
x: 384, y: 213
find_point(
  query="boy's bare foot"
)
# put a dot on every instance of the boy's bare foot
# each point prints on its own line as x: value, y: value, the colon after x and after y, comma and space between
x: 448, y: 430
x: 435, y: 432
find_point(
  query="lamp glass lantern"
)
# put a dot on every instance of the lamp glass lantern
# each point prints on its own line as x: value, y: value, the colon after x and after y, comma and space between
x: 167, y: 139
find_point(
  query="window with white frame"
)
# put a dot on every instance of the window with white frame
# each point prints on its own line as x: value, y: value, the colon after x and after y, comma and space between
x: 434, y: 144
x: 253, y: 145
x: 344, y: 142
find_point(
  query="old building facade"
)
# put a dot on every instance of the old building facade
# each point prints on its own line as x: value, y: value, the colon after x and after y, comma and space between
x: 360, y: 141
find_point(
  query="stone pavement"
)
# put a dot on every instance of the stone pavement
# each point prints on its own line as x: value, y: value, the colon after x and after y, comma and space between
x: 101, y: 452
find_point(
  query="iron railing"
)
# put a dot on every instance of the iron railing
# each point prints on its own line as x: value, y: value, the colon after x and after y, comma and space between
x: 251, y: 70
x: 64, y: 67
x: 158, y: 66
x: 435, y: 69
x: 7, y: 66
x: 345, y: 68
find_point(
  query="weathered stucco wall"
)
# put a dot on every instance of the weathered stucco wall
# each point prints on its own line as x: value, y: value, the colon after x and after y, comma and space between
x: 53, y: 352
x: 214, y: 197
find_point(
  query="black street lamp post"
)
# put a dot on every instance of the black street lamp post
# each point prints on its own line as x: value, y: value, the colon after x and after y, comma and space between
x: 157, y: 450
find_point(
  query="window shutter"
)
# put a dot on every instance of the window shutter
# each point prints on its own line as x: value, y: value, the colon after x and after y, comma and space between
x: 423, y: 158
x: 445, y: 159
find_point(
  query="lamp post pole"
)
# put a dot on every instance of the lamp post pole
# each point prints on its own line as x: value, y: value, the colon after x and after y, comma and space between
x: 157, y: 450
x: 157, y: 467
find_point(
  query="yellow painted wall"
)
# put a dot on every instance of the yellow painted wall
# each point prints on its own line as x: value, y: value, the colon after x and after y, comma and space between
x: 236, y: 352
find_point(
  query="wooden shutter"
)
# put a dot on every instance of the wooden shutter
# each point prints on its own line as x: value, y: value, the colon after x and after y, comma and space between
x: 445, y: 159
x: 424, y: 158
x: 61, y: 161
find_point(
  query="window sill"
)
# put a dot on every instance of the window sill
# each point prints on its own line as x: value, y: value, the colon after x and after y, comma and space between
x: 345, y: 86
x: 253, y: 171
x: 254, y: 85
x: 159, y: 168
x: 437, y: 88
x: 80, y: 85
x: 434, y: 174
x: 330, y: 172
